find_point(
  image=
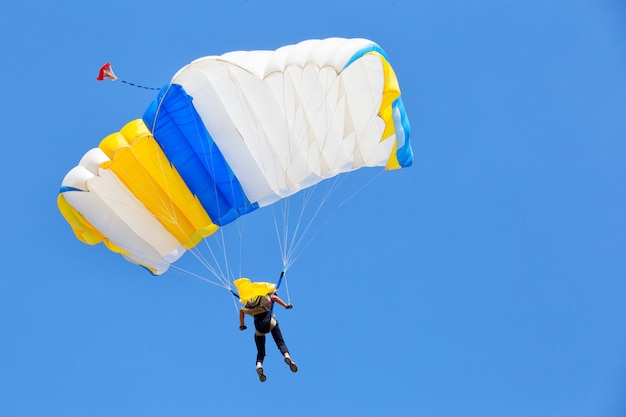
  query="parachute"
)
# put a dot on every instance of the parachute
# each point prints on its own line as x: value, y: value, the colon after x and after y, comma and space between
x: 233, y: 133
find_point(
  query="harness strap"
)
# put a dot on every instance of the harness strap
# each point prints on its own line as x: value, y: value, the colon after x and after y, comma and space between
x: 280, y: 280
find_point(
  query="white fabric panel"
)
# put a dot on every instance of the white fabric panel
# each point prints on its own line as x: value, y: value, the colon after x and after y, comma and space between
x: 110, y: 207
x: 367, y: 71
x: 92, y: 160
x: 263, y: 63
x: 287, y: 119
x: 213, y: 93
x: 77, y: 178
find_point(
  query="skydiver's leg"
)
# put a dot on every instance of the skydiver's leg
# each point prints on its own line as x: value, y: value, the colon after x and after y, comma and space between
x: 280, y: 342
x: 261, y: 325
x: 259, y: 340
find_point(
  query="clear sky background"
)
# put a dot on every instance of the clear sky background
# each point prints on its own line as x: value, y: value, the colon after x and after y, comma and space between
x: 489, y: 279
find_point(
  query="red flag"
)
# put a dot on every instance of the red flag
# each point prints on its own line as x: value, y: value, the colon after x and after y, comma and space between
x: 106, y: 72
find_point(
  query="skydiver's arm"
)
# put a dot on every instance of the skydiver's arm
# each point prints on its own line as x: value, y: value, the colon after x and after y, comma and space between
x: 242, y: 324
x: 281, y: 302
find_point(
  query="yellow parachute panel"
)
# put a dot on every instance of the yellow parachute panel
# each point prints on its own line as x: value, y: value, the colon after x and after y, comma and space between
x: 391, y: 92
x: 140, y: 164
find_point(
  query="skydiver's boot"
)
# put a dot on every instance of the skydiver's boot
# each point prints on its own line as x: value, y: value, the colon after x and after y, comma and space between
x: 292, y: 364
x: 259, y: 371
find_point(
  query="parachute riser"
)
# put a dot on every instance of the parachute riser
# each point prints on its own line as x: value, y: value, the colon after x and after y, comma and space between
x: 280, y: 280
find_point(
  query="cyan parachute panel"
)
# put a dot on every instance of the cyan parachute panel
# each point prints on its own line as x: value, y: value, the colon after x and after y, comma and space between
x: 177, y: 128
x: 404, y: 152
x: 366, y: 50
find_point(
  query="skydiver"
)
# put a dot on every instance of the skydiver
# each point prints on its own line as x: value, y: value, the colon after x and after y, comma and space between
x: 265, y: 322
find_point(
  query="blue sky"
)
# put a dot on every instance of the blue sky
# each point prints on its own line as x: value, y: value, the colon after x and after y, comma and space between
x: 486, y: 280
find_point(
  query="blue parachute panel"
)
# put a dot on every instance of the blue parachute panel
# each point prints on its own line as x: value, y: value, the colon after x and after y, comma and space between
x: 180, y: 132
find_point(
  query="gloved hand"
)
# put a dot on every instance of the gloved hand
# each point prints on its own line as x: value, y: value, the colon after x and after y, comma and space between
x: 289, y: 306
x: 242, y: 327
